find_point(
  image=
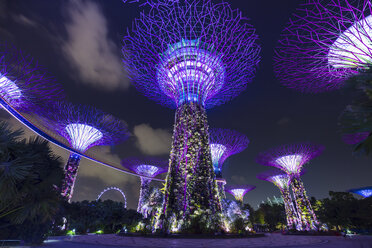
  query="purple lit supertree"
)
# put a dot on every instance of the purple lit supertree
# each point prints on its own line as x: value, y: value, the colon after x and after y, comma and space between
x: 83, y: 127
x: 283, y: 181
x: 191, y: 55
x: 291, y: 159
x: 365, y: 191
x: 147, y: 168
x: 23, y: 83
x: 325, y: 42
x: 224, y: 143
x: 239, y: 191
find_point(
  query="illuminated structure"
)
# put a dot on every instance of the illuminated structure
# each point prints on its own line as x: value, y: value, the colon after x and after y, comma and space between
x: 325, y: 43
x: 282, y: 181
x: 291, y: 159
x: 115, y: 189
x: 147, y: 168
x: 23, y: 84
x: 191, y: 55
x: 224, y: 143
x: 82, y: 127
x: 365, y: 192
x: 239, y: 191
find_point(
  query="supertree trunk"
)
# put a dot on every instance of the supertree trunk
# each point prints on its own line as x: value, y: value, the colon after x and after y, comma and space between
x: 71, y: 170
x: 145, y: 185
x: 303, y: 205
x: 190, y: 182
x: 291, y: 212
x: 221, y: 187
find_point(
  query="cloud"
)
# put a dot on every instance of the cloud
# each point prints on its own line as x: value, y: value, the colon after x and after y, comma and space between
x: 89, y: 49
x: 152, y: 141
x: 25, y: 20
x: 283, y: 121
x: 239, y: 180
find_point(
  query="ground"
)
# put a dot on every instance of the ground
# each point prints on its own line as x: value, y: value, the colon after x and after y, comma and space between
x: 271, y: 240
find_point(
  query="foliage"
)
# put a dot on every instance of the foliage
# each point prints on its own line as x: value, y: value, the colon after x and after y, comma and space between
x: 91, y: 216
x: 271, y: 214
x: 29, y: 177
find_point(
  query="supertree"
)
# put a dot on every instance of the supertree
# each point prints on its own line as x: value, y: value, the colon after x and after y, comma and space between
x: 23, y: 83
x: 191, y: 55
x: 83, y: 127
x: 291, y: 159
x: 239, y: 191
x: 325, y: 42
x: 365, y: 191
x: 147, y: 168
x: 283, y: 181
x: 224, y: 143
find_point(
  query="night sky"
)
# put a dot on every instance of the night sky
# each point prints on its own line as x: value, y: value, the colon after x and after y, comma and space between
x: 79, y: 43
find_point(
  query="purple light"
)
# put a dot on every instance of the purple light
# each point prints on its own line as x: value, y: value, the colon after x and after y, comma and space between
x: 325, y: 43
x: 147, y: 170
x: 82, y: 135
x: 239, y: 191
x: 290, y: 158
x: 177, y: 53
x: 365, y: 192
x: 224, y: 143
x: 23, y: 83
x: 354, y: 138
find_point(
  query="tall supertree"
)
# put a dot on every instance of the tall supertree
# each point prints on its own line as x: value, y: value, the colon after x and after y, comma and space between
x: 83, y: 127
x: 291, y: 159
x: 324, y: 43
x: 365, y: 191
x: 283, y: 181
x: 239, y: 191
x: 224, y: 143
x: 147, y: 168
x: 191, y: 55
x: 23, y: 83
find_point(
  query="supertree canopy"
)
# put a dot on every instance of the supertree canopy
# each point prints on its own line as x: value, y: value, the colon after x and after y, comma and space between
x: 23, y: 83
x: 147, y: 168
x: 239, y: 191
x: 190, y: 55
x: 325, y: 42
x: 291, y: 158
x: 83, y: 127
x: 365, y: 192
x: 282, y: 181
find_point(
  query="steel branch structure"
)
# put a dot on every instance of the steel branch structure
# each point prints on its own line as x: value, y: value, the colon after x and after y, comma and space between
x: 283, y: 181
x: 365, y: 192
x: 149, y: 167
x: 224, y: 143
x: 23, y: 83
x: 239, y: 191
x: 324, y: 43
x: 191, y: 55
x: 291, y: 159
x: 83, y: 127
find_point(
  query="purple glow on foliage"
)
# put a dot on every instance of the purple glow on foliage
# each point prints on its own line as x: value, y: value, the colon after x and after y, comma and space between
x: 354, y: 138
x: 191, y: 51
x: 84, y: 126
x: 365, y: 192
x: 325, y: 42
x: 224, y: 143
x: 23, y: 84
x: 239, y: 191
x: 290, y: 158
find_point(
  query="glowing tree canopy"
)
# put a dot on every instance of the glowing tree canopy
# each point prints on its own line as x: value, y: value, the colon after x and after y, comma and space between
x: 239, y: 191
x: 147, y: 168
x: 325, y: 42
x: 354, y: 138
x: 282, y: 181
x: 83, y: 127
x: 23, y: 83
x: 365, y: 192
x: 190, y: 55
x: 224, y: 143
x: 291, y: 158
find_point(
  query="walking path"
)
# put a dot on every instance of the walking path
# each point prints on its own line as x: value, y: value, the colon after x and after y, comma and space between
x: 271, y: 240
